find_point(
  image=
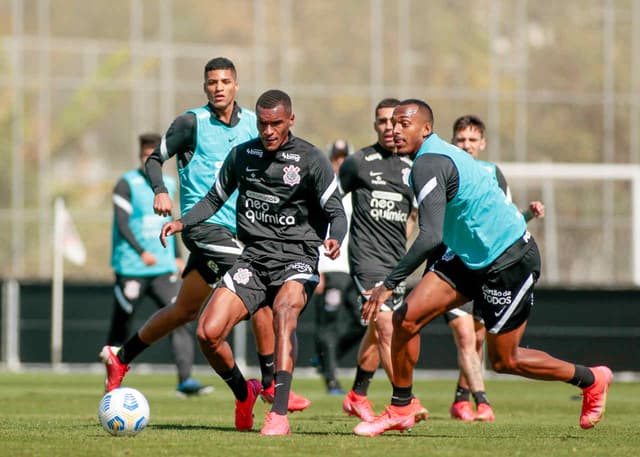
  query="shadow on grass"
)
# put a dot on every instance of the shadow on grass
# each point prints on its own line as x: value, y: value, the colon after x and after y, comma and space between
x: 256, y: 429
x: 191, y: 427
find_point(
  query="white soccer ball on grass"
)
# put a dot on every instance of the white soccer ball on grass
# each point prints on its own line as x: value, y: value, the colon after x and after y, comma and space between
x: 124, y: 412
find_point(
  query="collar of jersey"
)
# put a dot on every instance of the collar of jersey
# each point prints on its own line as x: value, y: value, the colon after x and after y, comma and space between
x: 235, y: 114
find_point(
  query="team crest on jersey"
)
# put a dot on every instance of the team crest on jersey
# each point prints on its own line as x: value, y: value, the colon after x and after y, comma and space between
x: 405, y: 175
x: 291, y: 175
x: 242, y: 276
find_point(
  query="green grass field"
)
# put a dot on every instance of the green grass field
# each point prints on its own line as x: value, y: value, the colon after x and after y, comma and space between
x: 45, y: 414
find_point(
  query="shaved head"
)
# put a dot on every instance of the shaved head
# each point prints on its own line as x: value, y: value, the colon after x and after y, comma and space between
x: 412, y: 123
x: 422, y: 108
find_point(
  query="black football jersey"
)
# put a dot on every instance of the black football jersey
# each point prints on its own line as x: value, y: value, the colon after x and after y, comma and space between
x: 382, y: 202
x: 288, y: 195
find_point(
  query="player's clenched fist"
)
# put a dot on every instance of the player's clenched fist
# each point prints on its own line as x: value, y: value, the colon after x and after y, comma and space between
x: 332, y: 248
x: 162, y: 204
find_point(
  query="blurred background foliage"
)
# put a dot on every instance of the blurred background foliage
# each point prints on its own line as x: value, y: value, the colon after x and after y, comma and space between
x: 79, y: 80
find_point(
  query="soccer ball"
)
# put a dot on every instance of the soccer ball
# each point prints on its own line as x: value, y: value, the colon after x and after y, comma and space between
x: 124, y: 412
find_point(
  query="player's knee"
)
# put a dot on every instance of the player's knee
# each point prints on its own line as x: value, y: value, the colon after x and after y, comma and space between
x: 208, y: 337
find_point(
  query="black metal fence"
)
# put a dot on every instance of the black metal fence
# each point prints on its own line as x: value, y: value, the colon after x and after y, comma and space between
x: 589, y: 326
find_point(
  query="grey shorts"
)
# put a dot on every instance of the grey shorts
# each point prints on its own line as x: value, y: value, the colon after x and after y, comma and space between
x: 129, y: 291
x: 396, y: 299
x: 464, y: 310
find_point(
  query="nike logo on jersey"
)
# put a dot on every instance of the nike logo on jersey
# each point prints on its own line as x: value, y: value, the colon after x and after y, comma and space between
x: 375, y: 173
x: 379, y: 181
x: 251, y: 170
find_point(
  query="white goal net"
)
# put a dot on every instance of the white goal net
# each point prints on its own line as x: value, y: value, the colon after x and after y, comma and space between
x: 591, y: 230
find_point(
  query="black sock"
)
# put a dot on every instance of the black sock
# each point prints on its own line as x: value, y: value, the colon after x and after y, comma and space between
x: 266, y: 369
x: 401, y: 395
x: 462, y: 394
x: 361, y: 383
x: 583, y: 377
x: 480, y: 397
x: 283, y: 384
x: 131, y: 349
x: 236, y: 383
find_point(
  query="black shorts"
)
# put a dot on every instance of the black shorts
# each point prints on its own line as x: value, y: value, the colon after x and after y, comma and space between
x: 467, y: 308
x: 129, y: 291
x: 213, y: 249
x: 502, y: 292
x: 366, y: 283
x: 264, y: 267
